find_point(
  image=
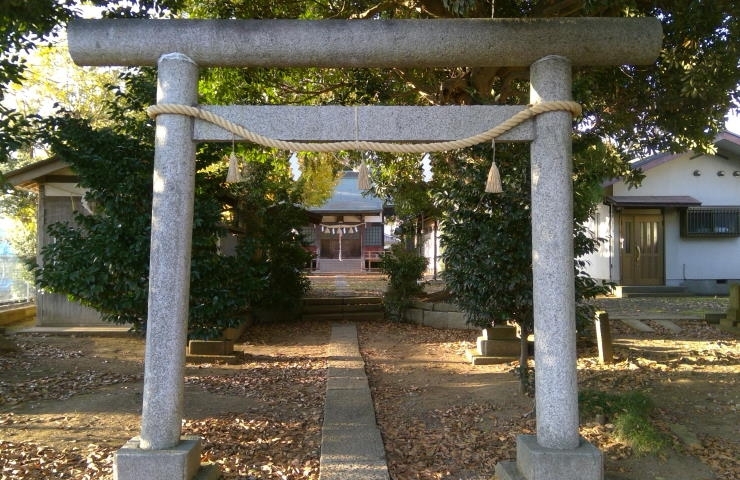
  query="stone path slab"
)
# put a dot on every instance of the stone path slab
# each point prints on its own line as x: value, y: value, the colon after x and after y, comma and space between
x: 668, y: 325
x: 351, y: 445
x: 641, y: 326
x: 637, y: 325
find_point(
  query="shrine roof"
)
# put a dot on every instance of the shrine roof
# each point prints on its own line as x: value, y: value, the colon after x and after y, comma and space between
x: 348, y: 198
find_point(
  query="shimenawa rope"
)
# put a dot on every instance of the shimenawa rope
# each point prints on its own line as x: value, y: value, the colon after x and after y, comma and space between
x: 530, y: 112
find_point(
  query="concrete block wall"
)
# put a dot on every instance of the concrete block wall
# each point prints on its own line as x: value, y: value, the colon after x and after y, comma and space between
x: 437, y: 315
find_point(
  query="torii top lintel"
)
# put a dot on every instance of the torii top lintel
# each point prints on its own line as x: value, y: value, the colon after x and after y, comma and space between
x: 367, y: 43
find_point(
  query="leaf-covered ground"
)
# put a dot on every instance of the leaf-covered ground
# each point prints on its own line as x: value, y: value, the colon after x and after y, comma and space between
x: 67, y: 404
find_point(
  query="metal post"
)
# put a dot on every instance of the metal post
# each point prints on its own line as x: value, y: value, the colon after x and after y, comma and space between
x: 552, y: 260
x: 169, y: 270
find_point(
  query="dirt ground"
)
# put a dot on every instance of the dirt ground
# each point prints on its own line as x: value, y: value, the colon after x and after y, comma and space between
x: 67, y: 403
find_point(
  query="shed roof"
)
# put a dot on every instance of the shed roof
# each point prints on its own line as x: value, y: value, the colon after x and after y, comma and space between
x: 54, y: 173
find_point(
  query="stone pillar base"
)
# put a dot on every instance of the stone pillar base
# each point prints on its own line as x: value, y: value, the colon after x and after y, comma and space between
x: 181, y: 462
x: 539, y: 463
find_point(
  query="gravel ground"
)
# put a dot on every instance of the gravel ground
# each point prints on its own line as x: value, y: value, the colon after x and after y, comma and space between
x: 64, y: 400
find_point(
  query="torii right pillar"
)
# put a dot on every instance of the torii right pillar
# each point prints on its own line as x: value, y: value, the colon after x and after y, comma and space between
x: 557, y: 452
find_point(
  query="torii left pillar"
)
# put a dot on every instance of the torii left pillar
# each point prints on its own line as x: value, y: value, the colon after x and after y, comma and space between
x: 160, y: 451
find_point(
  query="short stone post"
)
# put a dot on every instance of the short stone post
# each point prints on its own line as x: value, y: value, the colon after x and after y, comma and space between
x: 604, y: 337
x: 557, y: 452
x: 160, y: 452
x: 732, y: 317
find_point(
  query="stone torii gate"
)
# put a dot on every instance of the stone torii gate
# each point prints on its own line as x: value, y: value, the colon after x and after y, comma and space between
x: 548, y: 47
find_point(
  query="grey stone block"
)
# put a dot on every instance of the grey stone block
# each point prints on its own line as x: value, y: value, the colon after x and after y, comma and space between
x: 499, y: 348
x: 180, y: 462
x: 638, y: 325
x: 734, y: 296
x: 208, y: 472
x: 436, y: 319
x: 414, y: 315
x: 349, y: 407
x: 352, y: 454
x: 728, y: 323
x: 347, y: 383
x: 508, y: 471
x: 668, y: 325
x: 713, y: 317
x: 458, y: 320
x: 422, y: 305
x: 535, y: 462
x: 362, y: 301
x: 476, y: 359
x: 500, y: 332
x: 446, y: 307
x: 210, y: 347
x: 345, y: 372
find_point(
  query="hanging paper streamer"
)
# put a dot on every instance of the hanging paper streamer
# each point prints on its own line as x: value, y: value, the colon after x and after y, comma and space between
x: 363, y: 177
x: 340, y: 230
x: 233, y: 175
x: 493, y: 183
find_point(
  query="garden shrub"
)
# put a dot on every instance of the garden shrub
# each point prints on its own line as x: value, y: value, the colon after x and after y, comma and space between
x: 405, y: 270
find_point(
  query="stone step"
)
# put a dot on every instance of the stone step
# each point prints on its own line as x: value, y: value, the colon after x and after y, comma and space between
x: 341, y: 300
x: 343, y: 308
x: 656, y: 294
x: 626, y: 291
x: 17, y: 314
x: 339, y: 316
x: 369, y: 307
x: 349, y: 265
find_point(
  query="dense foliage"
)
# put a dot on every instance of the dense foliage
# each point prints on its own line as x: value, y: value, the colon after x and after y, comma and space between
x: 405, y: 269
x: 487, y: 238
x: 102, y: 258
x: 23, y: 23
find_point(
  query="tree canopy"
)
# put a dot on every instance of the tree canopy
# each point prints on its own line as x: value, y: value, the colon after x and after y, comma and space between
x: 677, y: 103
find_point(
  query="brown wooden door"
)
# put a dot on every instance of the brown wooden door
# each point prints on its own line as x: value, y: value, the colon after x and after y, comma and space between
x: 641, y: 248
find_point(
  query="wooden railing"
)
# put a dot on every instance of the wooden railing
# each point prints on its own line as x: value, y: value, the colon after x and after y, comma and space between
x: 371, y: 260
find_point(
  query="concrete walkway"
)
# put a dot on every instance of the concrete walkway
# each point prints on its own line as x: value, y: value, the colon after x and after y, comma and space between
x: 351, y: 445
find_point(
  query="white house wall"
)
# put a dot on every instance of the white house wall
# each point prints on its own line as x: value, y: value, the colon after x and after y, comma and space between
x: 599, y: 263
x: 676, y: 177
x: 704, y: 265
